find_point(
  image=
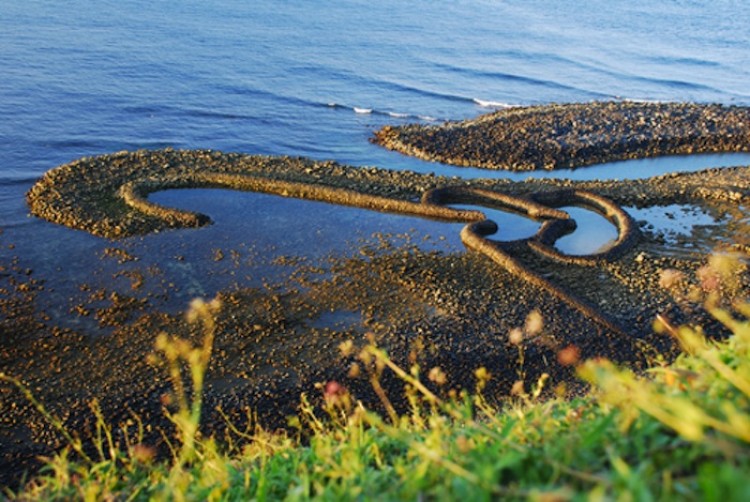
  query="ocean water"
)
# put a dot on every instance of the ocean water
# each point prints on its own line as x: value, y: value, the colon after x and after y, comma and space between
x: 316, y: 79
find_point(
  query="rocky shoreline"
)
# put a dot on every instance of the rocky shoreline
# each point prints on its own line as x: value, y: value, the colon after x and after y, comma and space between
x: 574, y: 135
x: 449, y: 310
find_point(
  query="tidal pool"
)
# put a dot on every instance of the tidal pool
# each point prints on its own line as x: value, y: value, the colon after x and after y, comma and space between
x: 308, y: 230
x: 594, y: 233
x: 255, y: 237
x: 620, y: 170
x: 684, y: 228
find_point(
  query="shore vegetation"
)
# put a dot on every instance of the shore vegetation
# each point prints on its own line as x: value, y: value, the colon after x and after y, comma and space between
x: 678, y: 430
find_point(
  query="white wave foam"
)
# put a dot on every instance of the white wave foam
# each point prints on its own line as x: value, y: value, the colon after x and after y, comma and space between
x: 643, y: 100
x: 427, y: 118
x: 398, y: 115
x: 363, y: 111
x: 492, y: 104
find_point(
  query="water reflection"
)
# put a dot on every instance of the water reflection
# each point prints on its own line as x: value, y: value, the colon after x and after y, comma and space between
x: 279, y: 226
x: 593, y: 234
x: 252, y: 229
x: 687, y: 228
x: 256, y: 237
x: 619, y: 170
x: 511, y: 225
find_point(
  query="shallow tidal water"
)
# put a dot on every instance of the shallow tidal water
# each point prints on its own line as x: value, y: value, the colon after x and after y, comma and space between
x: 315, y: 80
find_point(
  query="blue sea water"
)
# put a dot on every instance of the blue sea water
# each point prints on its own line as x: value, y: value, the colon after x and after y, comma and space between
x: 316, y: 79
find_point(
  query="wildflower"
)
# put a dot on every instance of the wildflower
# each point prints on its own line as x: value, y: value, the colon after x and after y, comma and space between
x: 569, y: 356
x: 437, y: 376
x: 333, y: 388
x: 165, y: 399
x: 200, y: 309
x: 365, y: 356
x: 709, y: 278
x: 482, y: 374
x: 354, y: 370
x: 517, y: 389
x: 336, y: 394
x: 143, y: 453
x: 670, y: 277
x: 346, y: 348
x: 515, y: 336
x: 726, y: 265
x: 534, y: 323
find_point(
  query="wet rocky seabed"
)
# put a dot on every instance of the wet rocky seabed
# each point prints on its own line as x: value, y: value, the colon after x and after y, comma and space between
x: 453, y: 310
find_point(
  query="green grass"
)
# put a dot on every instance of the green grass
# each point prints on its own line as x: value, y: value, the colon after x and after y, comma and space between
x: 681, y: 431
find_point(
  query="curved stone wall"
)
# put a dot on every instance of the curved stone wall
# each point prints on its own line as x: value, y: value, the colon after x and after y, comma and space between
x: 108, y: 195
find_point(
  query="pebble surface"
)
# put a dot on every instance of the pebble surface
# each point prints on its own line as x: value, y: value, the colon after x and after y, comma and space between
x: 574, y: 135
x: 450, y: 310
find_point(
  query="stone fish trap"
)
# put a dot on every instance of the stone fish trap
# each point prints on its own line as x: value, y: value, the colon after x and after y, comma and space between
x: 433, y: 204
